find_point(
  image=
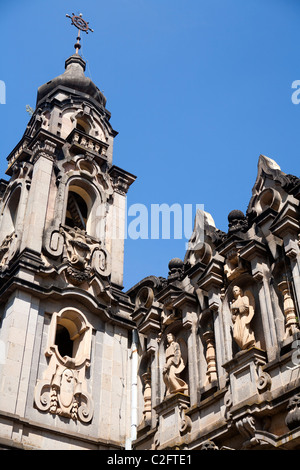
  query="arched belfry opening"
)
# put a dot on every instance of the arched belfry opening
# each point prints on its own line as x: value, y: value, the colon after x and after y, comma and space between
x: 83, y: 125
x: 63, y: 341
x: 80, y: 205
x: 77, y: 211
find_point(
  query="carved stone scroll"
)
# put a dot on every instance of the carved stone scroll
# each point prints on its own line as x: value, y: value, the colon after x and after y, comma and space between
x: 63, y: 395
x: 8, y: 249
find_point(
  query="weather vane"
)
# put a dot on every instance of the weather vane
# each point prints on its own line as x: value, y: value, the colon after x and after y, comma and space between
x: 81, y: 25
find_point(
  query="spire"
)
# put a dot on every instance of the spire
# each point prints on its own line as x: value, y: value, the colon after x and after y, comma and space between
x: 81, y: 25
x: 74, y: 77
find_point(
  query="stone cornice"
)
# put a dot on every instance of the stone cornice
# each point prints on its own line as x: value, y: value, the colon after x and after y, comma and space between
x: 252, y: 250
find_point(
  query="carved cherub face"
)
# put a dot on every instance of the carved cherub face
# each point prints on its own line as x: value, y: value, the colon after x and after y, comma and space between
x: 68, y: 375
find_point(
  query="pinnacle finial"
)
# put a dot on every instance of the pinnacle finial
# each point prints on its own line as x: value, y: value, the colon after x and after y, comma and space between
x: 81, y: 25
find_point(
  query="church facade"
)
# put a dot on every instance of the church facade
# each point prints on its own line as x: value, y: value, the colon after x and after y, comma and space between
x: 207, y: 358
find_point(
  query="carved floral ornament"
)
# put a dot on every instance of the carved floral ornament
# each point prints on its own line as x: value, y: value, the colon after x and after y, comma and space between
x: 63, y: 388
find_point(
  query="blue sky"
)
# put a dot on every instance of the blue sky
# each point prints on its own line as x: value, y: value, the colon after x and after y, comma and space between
x: 197, y: 89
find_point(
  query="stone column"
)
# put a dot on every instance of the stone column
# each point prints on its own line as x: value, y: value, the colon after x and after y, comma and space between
x: 147, y: 411
x: 291, y: 322
x: 116, y: 222
x: 17, y: 338
x: 211, y: 372
x: 152, y: 347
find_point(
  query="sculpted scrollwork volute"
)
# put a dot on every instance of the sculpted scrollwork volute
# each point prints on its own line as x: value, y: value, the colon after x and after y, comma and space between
x: 228, y: 402
x: 186, y: 422
x: 8, y: 249
x: 82, y: 255
x: 63, y: 395
x: 144, y: 297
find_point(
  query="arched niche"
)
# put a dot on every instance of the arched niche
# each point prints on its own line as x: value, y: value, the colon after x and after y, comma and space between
x: 10, y: 213
x: 63, y: 389
x: 70, y: 326
x: 246, y: 284
x: 181, y: 336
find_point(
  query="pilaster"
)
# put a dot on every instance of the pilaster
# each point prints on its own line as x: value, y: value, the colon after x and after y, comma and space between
x: 212, y: 282
x: 17, y: 333
x: 35, y: 216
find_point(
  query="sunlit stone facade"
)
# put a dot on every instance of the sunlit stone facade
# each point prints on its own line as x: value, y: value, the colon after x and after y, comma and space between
x: 207, y: 358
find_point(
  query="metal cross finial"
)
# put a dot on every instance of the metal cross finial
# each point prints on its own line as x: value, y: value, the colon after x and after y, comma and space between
x: 81, y: 25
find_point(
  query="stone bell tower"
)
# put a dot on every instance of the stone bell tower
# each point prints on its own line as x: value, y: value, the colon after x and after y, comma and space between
x: 65, y: 323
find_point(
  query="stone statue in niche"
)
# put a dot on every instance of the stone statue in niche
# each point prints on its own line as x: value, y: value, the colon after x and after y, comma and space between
x: 242, y: 309
x: 176, y: 357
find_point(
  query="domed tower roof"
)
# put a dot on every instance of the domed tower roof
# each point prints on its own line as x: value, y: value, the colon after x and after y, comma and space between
x: 73, y: 79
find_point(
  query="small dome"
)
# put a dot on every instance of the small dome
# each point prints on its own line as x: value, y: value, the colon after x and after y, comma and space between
x: 175, y: 263
x: 73, y: 78
x: 235, y: 215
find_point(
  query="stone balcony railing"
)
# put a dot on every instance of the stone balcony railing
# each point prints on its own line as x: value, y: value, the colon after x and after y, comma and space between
x: 80, y: 140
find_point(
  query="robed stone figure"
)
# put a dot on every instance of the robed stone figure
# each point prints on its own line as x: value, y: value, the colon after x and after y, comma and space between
x: 174, y: 365
x: 242, y: 309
